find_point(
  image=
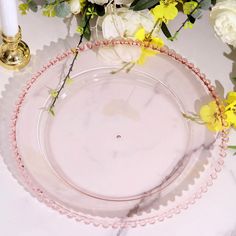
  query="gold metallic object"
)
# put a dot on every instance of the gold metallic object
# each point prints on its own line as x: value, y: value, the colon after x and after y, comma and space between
x: 14, y: 53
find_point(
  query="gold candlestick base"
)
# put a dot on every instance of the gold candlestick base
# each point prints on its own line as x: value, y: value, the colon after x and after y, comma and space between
x: 14, y: 53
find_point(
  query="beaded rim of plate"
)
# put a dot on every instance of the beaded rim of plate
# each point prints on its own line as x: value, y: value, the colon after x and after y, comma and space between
x: 133, y: 221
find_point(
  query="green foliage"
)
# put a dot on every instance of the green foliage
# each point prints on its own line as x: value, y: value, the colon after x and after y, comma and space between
x: 197, y: 14
x: 24, y: 8
x: 166, y: 31
x: 29, y: 5
x: 99, y: 9
x: 89, y: 13
x: 205, y: 5
x: 51, y: 111
x: 139, y: 5
x: 80, y: 30
x: 213, y: 2
x: 49, y: 11
x: 50, y: 1
x: 33, y: 6
x: 62, y: 9
x: 191, y: 19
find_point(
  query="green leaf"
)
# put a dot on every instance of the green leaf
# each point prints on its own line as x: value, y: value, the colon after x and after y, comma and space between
x: 51, y: 111
x: 191, y: 19
x: 232, y: 147
x: 197, y: 14
x: 49, y: 11
x: 24, y: 8
x: 100, y: 10
x: 87, y: 31
x: 33, y: 6
x: 213, y: 2
x: 50, y: 1
x: 205, y: 5
x: 144, y: 4
x: 62, y: 9
x: 134, y: 3
x: 166, y: 31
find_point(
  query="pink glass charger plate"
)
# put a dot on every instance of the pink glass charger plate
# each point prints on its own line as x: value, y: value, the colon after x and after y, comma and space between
x: 119, y: 151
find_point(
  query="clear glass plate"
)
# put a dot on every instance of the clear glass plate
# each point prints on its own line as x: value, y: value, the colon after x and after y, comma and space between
x: 118, y: 151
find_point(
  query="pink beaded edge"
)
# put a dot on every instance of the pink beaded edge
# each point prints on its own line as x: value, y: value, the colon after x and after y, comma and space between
x: 116, y: 222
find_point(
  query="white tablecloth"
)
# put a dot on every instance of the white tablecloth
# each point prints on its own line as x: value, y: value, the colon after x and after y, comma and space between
x: 213, y: 215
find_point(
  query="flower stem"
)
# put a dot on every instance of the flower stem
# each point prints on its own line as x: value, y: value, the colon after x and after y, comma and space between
x: 58, y: 91
x: 183, y: 24
x: 154, y: 27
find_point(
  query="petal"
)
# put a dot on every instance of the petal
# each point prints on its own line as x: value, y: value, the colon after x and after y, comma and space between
x: 216, y: 126
x: 140, y: 34
x: 206, y: 114
x: 145, y: 54
x: 128, y: 54
x: 231, y: 117
x: 170, y: 12
x: 109, y: 56
x: 158, y: 11
x: 158, y: 42
x: 113, y: 26
x: 231, y: 97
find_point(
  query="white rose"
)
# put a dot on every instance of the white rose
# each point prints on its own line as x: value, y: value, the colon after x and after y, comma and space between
x: 128, y: 53
x: 119, y: 54
x: 99, y: 2
x: 134, y: 20
x: 113, y: 27
x: 75, y: 6
x: 223, y: 19
x: 125, y: 23
x: 124, y: 2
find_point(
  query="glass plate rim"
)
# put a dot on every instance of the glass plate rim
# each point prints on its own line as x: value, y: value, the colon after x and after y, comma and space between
x: 136, y: 220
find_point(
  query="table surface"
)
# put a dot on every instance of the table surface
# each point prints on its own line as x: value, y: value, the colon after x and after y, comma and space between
x: 213, y: 215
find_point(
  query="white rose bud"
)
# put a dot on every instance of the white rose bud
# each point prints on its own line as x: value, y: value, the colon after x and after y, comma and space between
x: 223, y: 19
x: 99, y: 2
x: 75, y: 6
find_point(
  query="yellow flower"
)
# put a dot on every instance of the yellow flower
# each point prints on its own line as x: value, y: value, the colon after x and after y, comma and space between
x: 230, y: 109
x: 140, y: 34
x: 146, y: 52
x: 210, y: 115
x: 231, y: 98
x: 188, y: 7
x: 165, y: 11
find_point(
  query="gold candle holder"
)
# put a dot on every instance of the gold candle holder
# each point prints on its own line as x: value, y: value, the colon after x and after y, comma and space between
x: 14, y: 53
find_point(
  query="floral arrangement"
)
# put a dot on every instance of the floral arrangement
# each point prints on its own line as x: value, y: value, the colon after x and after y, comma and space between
x: 143, y: 20
x: 124, y: 18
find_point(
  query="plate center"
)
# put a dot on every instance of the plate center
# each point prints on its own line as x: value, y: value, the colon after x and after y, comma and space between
x: 116, y: 136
